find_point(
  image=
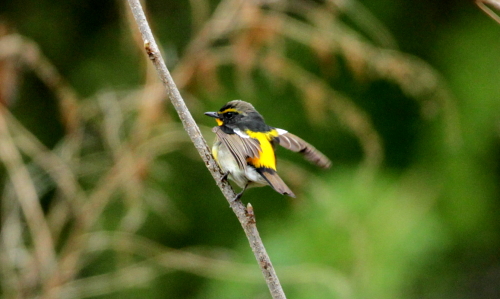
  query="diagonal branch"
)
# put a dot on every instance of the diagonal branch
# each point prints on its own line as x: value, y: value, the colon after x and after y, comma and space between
x: 245, y: 216
x: 487, y: 9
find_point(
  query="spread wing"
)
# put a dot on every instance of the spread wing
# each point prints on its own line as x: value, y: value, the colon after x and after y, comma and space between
x: 241, y: 148
x: 296, y: 144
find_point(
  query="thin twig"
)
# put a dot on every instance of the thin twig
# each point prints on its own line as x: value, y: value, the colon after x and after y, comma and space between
x: 248, y: 223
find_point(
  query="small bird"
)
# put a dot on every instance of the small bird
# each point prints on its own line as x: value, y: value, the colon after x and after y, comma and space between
x: 244, y: 148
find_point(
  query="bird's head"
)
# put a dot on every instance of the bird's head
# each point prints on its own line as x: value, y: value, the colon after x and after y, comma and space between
x: 239, y: 114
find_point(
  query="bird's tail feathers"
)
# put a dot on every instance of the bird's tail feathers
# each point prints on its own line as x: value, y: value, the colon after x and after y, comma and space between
x: 274, y: 180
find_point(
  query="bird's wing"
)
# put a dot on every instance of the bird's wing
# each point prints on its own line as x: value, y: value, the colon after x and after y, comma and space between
x: 296, y: 144
x: 240, y: 148
x: 243, y: 148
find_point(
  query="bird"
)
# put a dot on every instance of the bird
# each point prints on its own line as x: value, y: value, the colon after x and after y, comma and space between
x: 244, y: 148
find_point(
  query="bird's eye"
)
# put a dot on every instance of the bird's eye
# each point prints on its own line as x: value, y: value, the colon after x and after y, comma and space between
x: 230, y: 114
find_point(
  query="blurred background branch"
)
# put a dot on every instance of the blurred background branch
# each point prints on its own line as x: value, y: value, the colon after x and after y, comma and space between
x: 485, y: 6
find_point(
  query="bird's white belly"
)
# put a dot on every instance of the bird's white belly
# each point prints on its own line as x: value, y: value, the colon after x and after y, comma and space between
x: 240, y: 176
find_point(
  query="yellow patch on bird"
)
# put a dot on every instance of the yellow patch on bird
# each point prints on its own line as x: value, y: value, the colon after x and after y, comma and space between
x: 266, y: 156
x: 229, y: 110
x: 219, y: 122
x: 215, y: 151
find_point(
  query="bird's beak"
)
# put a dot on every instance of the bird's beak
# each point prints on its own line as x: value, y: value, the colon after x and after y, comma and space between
x: 216, y: 116
x: 212, y: 114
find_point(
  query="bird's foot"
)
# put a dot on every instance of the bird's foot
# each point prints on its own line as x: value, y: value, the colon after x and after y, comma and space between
x: 238, y: 196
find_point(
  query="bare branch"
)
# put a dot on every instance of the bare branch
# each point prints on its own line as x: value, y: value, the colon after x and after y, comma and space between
x: 247, y: 222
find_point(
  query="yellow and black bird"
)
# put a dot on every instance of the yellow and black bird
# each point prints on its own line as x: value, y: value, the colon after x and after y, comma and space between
x: 244, y: 147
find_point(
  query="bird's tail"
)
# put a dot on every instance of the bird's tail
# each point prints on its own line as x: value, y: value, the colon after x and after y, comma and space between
x: 274, y: 180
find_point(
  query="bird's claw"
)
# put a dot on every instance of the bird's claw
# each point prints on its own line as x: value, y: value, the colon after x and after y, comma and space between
x: 238, y: 196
